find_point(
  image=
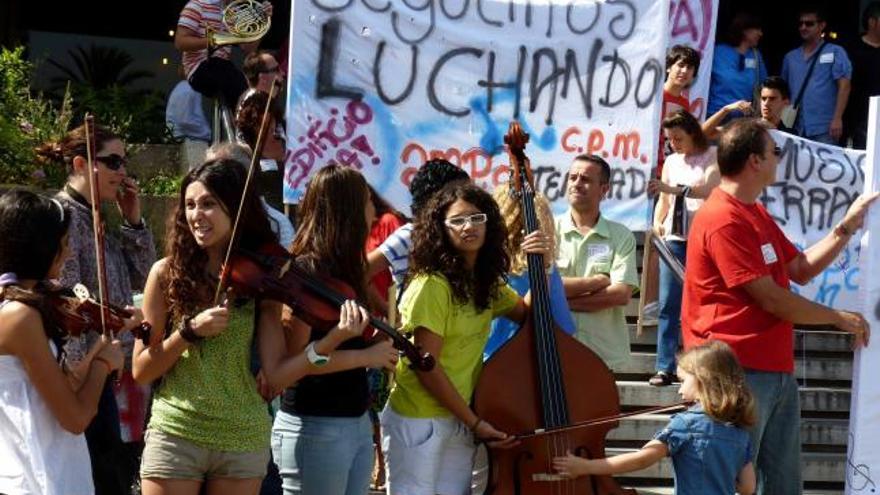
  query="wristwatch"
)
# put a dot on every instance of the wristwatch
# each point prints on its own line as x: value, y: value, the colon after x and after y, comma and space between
x: 313, y: 356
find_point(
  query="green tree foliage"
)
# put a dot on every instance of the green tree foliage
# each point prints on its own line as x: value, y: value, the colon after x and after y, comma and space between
x: 26, y: 121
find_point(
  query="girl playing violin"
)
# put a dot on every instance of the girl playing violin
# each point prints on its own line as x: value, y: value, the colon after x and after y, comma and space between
x: 128, y: 254
x: 709, y: 445
x: 43, y: 412
x: 457, y: 272
x: 322, y: 437
x: 209, y: 424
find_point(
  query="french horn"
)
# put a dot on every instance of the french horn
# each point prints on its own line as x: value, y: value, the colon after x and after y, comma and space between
x: 246, y: 21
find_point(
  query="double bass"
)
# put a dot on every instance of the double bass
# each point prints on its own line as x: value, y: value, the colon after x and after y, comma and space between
x: 543, y: 381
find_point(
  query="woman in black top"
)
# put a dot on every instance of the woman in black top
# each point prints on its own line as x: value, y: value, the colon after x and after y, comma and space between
x: 322, y: 437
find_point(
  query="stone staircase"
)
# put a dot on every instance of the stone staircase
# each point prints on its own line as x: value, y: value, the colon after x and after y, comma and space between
x: 823, y: 361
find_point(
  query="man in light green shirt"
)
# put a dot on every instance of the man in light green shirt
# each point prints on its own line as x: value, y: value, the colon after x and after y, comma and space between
x: 597, y: 261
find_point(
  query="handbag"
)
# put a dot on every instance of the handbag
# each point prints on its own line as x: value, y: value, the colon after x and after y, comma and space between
x: 790, y: 112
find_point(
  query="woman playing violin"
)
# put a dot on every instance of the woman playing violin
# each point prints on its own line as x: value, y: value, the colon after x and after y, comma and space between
x: 209, y: 424
x: 128, y: 254
x: 43, y: 412
x: 457, y: 272
x: 322, y: 437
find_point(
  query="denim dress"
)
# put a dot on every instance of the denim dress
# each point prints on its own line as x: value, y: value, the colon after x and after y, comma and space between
x: 707, y: 455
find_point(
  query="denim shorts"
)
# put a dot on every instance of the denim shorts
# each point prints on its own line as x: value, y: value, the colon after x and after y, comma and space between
x: 171, y: 457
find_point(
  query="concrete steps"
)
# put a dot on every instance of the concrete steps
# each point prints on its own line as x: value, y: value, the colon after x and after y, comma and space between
x: 823, y: 366
x: 825, y: 432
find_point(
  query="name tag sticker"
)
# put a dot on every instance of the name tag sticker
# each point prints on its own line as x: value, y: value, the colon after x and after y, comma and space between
x: 751, y: 63
x: 826, y: 58
x: 769, y: 254
x: 598, y: 251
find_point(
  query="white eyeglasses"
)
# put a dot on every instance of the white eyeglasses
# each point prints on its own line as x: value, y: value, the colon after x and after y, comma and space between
x: 460, y: 222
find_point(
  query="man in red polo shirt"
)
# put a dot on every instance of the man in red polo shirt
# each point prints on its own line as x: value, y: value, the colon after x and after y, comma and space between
x: 736, y: 289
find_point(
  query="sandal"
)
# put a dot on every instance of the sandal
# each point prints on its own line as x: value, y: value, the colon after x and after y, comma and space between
x: 662, y: 379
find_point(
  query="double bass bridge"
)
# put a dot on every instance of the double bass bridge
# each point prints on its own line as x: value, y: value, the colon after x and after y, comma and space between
x: 548, y: 477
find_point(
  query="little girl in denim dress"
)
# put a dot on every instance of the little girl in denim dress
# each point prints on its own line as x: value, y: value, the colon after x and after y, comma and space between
x: 709, y: 445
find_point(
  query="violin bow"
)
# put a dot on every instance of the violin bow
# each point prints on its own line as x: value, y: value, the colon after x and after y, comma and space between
x: 97, y: 222
x: 255, y: 159
x: 605, y: 420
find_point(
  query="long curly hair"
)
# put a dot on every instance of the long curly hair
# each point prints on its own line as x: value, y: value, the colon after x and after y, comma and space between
x: 189, y: 285
x: 433, y: 252
x: 511, y: 212
x: 332, y: 228
x: 721, y: 383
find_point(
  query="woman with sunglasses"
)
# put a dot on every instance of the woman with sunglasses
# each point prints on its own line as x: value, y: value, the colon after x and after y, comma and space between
x: 129, y: 252
x: 456, y: 285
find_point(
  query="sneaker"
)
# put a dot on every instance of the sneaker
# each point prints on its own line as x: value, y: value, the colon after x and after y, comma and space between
x: 662, y: 379
x: 650, y: 313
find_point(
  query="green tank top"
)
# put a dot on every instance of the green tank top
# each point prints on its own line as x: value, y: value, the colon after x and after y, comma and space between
x: 210, y: 395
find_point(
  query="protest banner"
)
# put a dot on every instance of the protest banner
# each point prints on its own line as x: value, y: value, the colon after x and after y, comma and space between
x: 862, y: 454
x: 384, y: 85
x: 693, y: 23
x: 815, y: 185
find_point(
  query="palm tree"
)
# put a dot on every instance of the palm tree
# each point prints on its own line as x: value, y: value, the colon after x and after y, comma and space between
x: 99, y: 67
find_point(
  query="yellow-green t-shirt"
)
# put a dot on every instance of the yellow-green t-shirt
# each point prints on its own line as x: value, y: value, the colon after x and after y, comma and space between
x: 428, y: 302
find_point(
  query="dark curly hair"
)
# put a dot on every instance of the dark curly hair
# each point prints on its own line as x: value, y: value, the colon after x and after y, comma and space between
x: 332, y: 229
x: 249, y: 115
x: 430, y: 178
x: 189, y: 286
x: 433, y: 253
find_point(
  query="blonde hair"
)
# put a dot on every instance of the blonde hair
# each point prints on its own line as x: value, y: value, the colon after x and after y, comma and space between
x: 721, y: 383
x: 511, y: 212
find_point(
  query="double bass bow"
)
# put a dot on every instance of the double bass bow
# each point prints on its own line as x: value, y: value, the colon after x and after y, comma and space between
x: 543, y: 380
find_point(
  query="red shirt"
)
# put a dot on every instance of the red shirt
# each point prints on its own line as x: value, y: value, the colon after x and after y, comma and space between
x: 732, y: 243
x: 381, y: 229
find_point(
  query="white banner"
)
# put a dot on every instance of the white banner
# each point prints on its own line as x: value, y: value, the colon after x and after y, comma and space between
x: 862, y: 455
x: 692, y: 23
x: 384, y: 85
x: 815, y: 185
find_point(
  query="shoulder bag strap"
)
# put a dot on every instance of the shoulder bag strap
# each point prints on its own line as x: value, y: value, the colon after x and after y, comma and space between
x: 800, y: 96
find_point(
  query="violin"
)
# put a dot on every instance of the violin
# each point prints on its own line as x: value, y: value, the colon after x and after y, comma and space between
x: 75, y: 312
x: 271, y: 273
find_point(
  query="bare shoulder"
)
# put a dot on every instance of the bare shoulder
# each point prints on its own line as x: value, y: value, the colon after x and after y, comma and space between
x: 17, y: 323
x: 160, y: 269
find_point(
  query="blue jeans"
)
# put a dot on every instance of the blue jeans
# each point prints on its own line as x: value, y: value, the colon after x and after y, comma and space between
x: 323, y: 455
x: 669, y: 311
x: 776, y: 438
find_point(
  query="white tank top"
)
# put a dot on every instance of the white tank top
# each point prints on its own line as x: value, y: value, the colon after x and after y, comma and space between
x: 37, y: 455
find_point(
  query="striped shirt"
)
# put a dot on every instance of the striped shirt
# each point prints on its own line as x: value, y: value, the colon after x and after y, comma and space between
x: 395, y: 249
x: 195, y: 16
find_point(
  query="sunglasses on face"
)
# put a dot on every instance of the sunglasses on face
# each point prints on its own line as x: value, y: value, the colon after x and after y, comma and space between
x: 460, y: 222
x: 809, y: 24
x: 268, y: 70
x: 113, y: 162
